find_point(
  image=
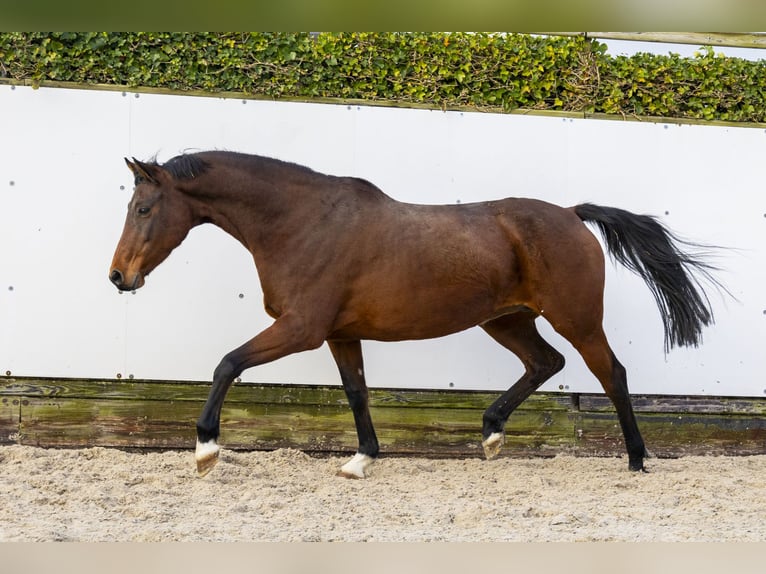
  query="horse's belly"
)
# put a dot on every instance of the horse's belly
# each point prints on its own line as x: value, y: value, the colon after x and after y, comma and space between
x: 419, y: 316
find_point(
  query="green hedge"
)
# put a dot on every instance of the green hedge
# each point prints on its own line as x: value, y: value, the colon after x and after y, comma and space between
x: 449, y: 70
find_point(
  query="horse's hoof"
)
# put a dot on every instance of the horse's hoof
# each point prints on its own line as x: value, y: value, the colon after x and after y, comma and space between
x: 206, y: 456
x: 492, y: 444
x: 636, y: 464
x: 356, y: 467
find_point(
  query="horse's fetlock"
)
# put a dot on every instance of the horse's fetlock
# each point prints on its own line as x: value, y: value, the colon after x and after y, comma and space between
x: 371, y: 450
x: 206, y: 433
x: 491, y: 424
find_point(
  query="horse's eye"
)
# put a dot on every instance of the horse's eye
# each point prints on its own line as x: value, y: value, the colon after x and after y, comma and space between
x: 143, y: 210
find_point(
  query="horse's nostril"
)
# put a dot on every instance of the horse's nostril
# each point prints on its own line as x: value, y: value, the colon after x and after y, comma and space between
x: 116, y: 277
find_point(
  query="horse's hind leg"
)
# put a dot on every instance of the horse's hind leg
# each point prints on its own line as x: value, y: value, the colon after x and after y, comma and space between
x: 611, y: 374
x: 518, y: 333
x: 580, y: 323
x: 348, y: 357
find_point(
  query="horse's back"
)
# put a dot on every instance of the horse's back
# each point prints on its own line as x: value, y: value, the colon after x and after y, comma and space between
x: 475, y: 241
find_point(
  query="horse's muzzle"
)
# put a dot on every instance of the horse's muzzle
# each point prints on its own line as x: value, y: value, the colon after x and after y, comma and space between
x: 118, y: 279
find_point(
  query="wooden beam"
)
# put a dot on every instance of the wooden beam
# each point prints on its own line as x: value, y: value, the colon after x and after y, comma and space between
x: 733, y: 40
x: 739, y: 40
x: 162, y: 414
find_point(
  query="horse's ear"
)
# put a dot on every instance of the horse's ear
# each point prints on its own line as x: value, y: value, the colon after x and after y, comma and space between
x: 143, y: 171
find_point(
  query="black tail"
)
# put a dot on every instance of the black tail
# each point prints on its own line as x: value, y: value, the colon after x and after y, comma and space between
x: 645, y: 246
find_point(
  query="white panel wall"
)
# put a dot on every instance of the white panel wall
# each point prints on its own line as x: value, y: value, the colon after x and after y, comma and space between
x: 64, y: 188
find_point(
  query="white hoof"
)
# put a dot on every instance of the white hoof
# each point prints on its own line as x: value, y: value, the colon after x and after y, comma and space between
x: 492, y: 444
x: 356, y: 467
x: 206, y: 456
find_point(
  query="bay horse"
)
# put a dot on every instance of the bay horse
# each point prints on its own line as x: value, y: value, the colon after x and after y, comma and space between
x: 339, y: 261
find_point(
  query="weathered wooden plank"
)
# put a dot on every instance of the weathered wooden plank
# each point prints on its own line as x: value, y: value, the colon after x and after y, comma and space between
x: 9, y: 419
x: 739, y: 40
x: 104, y: 389
x: 464, y: 399
x: 86, y: 422
x: 731, y: 39
x: 674, y: 404
x: 673, y: 435
x: 262, y: 393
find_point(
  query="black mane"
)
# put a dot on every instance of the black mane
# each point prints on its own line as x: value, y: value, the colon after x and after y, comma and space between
x: 189, y: 166
x: 186, y: 166
x: 192, y: 165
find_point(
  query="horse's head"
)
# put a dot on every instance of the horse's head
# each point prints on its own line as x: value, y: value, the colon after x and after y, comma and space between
x: 159, y: 218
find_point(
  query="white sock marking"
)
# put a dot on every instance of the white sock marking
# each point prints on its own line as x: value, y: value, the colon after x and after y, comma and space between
x: 357, y: 465
x: 205, y: 450
x: 494, y: 438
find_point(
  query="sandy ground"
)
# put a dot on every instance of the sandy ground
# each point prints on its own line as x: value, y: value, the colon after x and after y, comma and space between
x: 99, y: 494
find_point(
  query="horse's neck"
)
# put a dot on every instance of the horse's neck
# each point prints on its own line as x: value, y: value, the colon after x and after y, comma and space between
x: 255, y: 211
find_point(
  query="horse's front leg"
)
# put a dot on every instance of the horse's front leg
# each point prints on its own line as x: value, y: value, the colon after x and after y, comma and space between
x: 287, y: 335
x: 348, y: 357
